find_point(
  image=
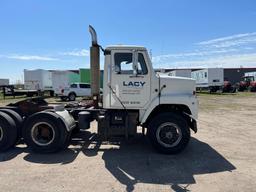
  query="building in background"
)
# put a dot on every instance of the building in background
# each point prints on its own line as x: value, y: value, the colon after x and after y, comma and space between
x: 233, y: 75
x: 85, y: 76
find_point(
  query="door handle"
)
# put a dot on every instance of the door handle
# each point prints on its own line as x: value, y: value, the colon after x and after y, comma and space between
x: 136, y: 76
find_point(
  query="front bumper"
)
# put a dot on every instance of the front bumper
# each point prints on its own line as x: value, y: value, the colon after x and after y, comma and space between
x: 193, y: 125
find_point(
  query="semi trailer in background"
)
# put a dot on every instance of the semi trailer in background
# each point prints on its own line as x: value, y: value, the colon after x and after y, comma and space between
x: 53, y: 81
x: 180, y: 73
x: 39, y: 79
x: 4, y: 82
x: 63, y: 79
x: 211, y: 79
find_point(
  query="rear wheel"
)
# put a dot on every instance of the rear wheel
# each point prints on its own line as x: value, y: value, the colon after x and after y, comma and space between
x: 169, y: 133
x: 45, y: 134
x: 72, y: 96
x: 8, y: 132
x: 17, y: 119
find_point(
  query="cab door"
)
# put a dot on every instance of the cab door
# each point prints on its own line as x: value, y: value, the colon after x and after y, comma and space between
x: 130, y: 79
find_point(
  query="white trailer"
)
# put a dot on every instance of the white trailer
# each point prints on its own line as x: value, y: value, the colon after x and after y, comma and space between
x: 61, y: 80
x: 211, y: 78
x: 38, y: 79
x: 4, y: 82
x: 180, y: 73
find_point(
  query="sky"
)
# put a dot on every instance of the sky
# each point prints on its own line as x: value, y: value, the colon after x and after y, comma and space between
x: 46, y: 34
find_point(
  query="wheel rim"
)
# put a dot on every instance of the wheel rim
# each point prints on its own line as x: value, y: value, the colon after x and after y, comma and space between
x: 1, y: 133
x: 72, y: 97
x: 169, y: 134
x: 42, y: 134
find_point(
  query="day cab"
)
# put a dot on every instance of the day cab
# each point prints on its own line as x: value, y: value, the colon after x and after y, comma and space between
x: 167, y: 106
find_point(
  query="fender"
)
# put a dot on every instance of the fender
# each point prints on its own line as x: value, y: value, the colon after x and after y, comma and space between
x: 62, y: 117
x: 171, y: 99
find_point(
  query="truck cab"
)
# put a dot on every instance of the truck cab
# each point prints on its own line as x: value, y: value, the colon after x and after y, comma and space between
x: 130, y: 82
x: 133, y: 92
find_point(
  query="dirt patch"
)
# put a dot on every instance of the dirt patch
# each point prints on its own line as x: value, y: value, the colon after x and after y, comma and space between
x: 220, y: 157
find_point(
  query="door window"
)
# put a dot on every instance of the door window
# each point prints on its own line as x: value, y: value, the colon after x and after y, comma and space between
x: 85, y: 86
x: 73, y: 86
x: 142, y: 67
x: 123, y: 63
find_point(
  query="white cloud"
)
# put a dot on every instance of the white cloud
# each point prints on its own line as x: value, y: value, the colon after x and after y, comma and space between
x: 233, y: 60
x: 29, y: 57
x: 192, y: 54
x: 78, y: 53
x: 231, y: 51
x: 229, y: 41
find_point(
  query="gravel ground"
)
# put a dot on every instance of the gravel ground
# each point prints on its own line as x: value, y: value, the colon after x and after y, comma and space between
x: 220, y: 157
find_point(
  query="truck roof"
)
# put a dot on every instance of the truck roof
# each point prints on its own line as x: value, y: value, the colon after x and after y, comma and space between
x: 122, y: 47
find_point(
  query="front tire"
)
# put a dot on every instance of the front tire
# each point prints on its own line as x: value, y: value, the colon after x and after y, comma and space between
x: 169, y: 133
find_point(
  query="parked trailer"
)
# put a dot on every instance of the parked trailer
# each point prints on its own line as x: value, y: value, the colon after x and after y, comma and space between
x: 133, y: 95
x: 63, y: 79
x: 180, y: 73
x: 211, y: 79
x: 4, y: 82
x: 38, y: 79
x: 9, y: 90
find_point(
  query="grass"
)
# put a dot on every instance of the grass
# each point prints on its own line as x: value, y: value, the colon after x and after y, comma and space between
x: 237, y: 94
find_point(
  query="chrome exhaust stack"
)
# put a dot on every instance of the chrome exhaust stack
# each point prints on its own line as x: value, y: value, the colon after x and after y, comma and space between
x: 95, y: 67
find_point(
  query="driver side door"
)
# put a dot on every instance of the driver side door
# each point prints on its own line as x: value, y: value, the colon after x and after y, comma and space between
x: 130, y: 79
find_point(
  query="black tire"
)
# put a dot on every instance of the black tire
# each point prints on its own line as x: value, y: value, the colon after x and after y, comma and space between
x: 52, y: 93
x: 8, y: 132
x: 17, y: 119
x: 252, y: 89
x: 58, y: 134
x: 72, y: 96
x: 174, y: 123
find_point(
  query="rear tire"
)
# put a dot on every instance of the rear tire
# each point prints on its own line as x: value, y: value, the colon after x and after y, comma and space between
x: 169, y: 133
x: 8, y: 132
x: 72, y: 97
x: 17, y: 119
x: 44, y: 133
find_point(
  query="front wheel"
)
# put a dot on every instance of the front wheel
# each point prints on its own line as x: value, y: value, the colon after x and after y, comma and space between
x: 169, y: 133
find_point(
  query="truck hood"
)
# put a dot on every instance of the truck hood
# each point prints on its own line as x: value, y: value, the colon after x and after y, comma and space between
x: 176, y: 85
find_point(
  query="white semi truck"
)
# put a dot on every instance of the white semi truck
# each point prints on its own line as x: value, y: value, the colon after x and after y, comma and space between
x: 133, y: 95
